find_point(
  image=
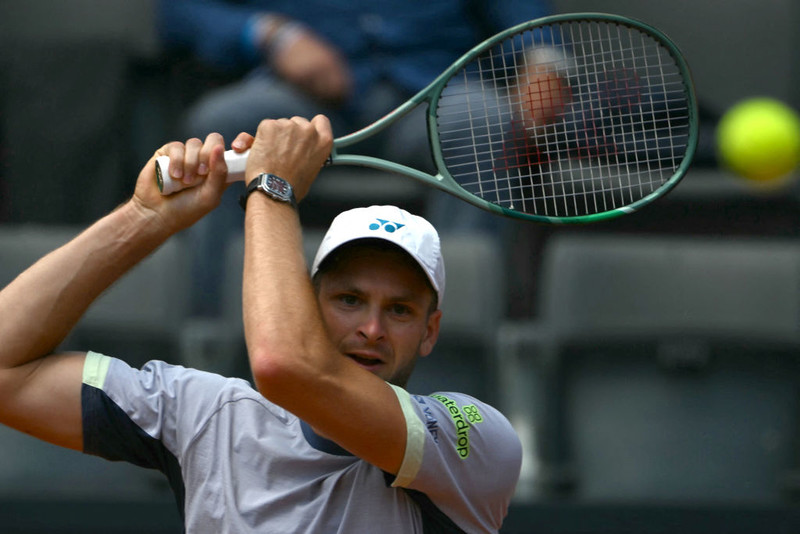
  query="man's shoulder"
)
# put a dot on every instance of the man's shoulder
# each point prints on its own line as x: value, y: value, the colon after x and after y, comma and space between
x: 174, y: 384
x: 465, y: 416
x: 454, y: 403
x: 165, y: 399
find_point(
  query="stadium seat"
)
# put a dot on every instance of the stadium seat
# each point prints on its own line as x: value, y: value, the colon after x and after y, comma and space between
x: 137, y: 319
x: 142, y: 307
x: 140, y: 317
x: 22, y: 244
x: 659, y: 369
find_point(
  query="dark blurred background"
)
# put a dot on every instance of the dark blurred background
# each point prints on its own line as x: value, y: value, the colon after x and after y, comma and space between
x: 650, y: 363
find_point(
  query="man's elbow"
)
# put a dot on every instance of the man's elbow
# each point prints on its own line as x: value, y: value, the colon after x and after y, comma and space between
x: 281, y: 374
x: 270, y: 368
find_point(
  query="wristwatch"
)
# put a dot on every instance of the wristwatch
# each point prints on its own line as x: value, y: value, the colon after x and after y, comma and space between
x: 273, y: 186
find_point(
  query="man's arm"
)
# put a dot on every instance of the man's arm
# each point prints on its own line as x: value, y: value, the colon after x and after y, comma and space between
x: 39, y: 390
x: 293, y: 361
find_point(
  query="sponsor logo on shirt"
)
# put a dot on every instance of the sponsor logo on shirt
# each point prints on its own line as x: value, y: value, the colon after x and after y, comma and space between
x: 463, y: 419
x: 431, y: 423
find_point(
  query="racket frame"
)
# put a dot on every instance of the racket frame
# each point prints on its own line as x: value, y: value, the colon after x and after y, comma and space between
x: 431, y: 94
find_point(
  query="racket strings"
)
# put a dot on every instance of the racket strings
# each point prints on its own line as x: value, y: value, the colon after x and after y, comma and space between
x: 567, y: 120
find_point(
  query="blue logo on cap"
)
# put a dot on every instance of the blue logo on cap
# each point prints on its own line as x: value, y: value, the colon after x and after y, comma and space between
x: 387, y: 225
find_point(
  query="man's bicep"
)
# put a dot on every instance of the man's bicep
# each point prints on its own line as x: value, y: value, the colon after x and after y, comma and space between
x: 43, y: 398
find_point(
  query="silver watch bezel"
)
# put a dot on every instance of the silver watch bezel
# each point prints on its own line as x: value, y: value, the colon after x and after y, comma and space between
x: 266, y: 183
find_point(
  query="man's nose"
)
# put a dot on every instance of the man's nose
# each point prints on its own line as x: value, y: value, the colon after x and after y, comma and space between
x: 371, y: 326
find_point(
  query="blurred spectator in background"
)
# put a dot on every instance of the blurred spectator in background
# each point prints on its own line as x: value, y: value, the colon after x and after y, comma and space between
x: 352, y: 60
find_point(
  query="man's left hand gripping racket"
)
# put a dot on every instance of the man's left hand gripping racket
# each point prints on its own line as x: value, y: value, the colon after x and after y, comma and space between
x: 569, y: 118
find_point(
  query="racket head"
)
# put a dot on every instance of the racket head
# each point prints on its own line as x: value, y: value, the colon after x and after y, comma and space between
x: 565, y: 119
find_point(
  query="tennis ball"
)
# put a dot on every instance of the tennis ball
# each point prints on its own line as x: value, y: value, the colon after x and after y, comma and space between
x: 759, y: 139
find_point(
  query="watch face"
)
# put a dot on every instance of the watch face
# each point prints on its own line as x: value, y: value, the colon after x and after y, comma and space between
x: 278, y: 186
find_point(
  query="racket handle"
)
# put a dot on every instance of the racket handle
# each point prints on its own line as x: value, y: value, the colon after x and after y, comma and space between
x: 236, y: 161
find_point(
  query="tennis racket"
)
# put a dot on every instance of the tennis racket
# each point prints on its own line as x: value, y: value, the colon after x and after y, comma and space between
x: 568, y: 118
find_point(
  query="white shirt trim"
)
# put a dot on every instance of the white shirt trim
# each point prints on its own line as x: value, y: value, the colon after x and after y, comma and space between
x: 415, y: 441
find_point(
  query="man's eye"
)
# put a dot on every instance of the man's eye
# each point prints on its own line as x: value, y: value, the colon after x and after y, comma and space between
x: 401, y: 309
x: 348, y: 300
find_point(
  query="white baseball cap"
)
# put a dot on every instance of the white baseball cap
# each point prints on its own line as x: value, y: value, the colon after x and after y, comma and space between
x: 410, y: 232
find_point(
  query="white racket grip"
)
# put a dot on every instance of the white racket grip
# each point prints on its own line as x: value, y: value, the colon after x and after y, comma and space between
x: 236, y: 161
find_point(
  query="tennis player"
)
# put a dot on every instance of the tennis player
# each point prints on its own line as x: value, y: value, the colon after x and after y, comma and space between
x: 328, y: 440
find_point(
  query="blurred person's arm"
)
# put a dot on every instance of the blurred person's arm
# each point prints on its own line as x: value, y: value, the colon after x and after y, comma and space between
x: 229, y: 37
x: 303, y: 58
x: 214, y: 32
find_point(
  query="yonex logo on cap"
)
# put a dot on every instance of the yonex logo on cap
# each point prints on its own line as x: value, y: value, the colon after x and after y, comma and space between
x: 387, y: 225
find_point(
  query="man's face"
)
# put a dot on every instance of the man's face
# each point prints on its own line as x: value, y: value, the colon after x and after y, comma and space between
x: 376, y: 305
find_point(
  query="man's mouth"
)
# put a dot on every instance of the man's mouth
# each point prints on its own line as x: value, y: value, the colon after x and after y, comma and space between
x: 367, y: 362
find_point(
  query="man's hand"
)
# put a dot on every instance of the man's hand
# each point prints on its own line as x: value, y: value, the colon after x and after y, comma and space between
x: 294, y: 149
x: 197, y: 163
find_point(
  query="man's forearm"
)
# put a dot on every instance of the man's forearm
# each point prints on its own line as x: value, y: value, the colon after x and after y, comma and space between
x: 44, y: 303
x: 280, y: 311
x: 283, y: 327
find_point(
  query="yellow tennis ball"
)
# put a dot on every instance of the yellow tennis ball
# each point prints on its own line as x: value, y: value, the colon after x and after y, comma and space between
x: 759, y: 139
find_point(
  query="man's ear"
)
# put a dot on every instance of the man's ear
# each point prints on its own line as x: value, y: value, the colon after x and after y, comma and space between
x: 431, y: 333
